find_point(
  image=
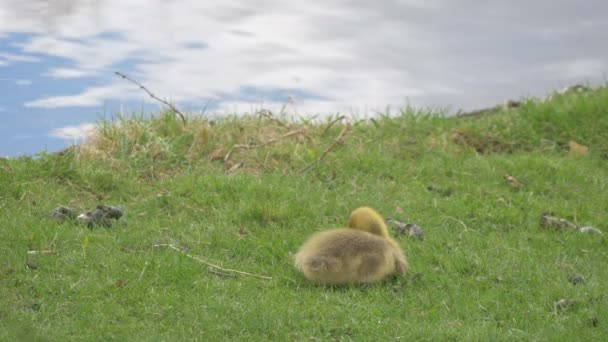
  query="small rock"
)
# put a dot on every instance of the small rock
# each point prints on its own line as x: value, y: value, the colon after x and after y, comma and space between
x: 576, y: 279
x: 443, y: 192
x: 512, y: 103
x: 95, y: 218
x: 111, y: 212
x: 62, y: 213
x: 102, y: 216
x: 512, y: 181
x: 590, y: 230
x: 400, y: 227
x: 547, y: 220
x: 410, y: 229
x: 415, y: 231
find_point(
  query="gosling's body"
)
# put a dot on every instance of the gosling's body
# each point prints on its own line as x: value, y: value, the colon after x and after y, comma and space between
x: 342, y: 256
x: 368, y: 220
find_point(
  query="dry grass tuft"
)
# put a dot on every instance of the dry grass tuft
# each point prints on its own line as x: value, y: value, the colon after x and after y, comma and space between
x: 246, y: 143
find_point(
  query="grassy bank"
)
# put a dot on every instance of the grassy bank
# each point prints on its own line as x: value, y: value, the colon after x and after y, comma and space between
x: 244, y: 193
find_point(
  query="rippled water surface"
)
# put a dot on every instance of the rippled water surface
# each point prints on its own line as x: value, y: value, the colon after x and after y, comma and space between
x: 57, y: 58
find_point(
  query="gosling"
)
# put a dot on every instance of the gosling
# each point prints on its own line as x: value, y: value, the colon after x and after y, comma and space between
x: 352, y: 255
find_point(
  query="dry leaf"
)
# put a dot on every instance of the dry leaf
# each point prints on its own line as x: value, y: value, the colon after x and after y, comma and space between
x: 577, y: 149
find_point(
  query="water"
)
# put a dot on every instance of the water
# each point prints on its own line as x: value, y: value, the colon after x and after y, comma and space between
x: 57, y: 58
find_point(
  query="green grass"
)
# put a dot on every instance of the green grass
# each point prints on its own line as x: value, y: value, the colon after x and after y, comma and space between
x: 485, y: 270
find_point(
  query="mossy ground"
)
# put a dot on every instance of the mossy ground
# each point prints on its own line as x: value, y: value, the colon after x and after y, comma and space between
x: 245, y: 192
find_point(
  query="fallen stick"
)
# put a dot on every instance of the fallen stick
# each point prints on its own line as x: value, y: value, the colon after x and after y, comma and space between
x: 219, y: 273
x: 175, y: 110
x: 221, y: 269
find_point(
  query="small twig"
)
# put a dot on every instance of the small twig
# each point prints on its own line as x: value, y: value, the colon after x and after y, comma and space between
x: 270, y: 141
x: 333, y: 122
x: 172, y: 107
x: 129, y: 250
x: 336, y: 141
x: 23, y: 196
x: 327, y: 179
x: 268, y: 114
x: 221, y: 269
x: 42, y: 252
x: 264, y: 144
x: 235, y: 167
x: 466, y: 229
x: 141, y: 275
x: 207, y: 103
x: 6, y: 166
x: 479, y: 112
x: 218, y: 273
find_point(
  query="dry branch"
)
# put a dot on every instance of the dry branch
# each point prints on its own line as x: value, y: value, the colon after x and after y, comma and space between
x: 172, y: 107
x: 339, y: 118
x: 264, y: 144
x: 336, y: 141
x: 268, y: 114
x: 218, y: 268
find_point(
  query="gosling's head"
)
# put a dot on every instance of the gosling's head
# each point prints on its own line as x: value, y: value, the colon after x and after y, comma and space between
x: 368, y: 220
